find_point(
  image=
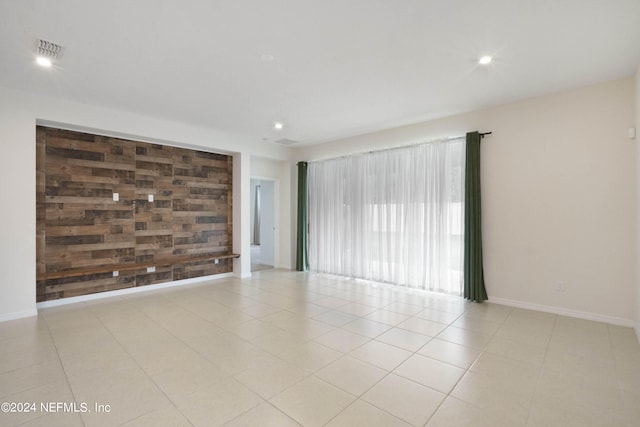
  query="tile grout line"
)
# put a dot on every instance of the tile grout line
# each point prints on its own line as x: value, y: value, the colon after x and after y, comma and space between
x: 143, y: 370
x: 66, y: 376
x: 544, y: 359
x: 230, y: 375
x: 468, y: 369
x: 390, y: 372
x: 619, y: 382
x: 283, y: 291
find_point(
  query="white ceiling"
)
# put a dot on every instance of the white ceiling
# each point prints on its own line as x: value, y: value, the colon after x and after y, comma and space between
x: 340, y: 67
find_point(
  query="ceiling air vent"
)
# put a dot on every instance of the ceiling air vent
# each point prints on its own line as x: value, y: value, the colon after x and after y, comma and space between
x: 286, y: 142
x: 48, y: 49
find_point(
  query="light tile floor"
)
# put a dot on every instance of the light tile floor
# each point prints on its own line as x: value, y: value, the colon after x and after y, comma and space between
x: 286, y: 348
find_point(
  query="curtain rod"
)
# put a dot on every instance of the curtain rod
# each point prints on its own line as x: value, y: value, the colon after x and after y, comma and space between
x: 445, y: 139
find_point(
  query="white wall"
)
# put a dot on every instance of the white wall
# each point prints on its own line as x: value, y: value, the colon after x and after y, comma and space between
x: 19, y: 112
x: 268, y: 224
x: 558, y: 179
x: 280, y: 173
x: 18, y: 215
x: 637, y: 257
x: 241, y: 219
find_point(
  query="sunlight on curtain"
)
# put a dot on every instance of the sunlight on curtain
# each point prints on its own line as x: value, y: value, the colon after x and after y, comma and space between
x: 393, y: 216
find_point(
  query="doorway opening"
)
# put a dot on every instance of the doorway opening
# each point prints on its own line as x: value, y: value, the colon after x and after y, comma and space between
x: 263, y: 222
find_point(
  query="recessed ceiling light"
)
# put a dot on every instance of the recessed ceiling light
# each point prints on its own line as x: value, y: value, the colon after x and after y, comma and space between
x: 485, y: 60
x: 278, y: 126
x: 43, y: 61
x: 47, y: 52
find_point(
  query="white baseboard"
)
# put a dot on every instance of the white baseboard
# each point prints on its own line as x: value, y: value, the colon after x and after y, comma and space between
x: 637, y: 328
x: 565, y: 312
x: 18, y: 315
x: 147, y: 288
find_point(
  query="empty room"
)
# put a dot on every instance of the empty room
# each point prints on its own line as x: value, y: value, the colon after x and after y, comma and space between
x: 320, y: 213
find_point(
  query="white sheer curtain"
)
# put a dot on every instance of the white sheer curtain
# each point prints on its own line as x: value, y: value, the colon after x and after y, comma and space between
x: 393, y: 216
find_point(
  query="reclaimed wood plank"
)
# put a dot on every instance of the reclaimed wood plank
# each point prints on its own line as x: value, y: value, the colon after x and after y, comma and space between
x: 81, y: 230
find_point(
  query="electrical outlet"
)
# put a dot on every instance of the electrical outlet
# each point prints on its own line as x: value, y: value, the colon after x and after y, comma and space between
x: 151, y: 269
x: 116, y: 197
x: 116, y: 273
x: 150, y: 198
x: 561, y: 286
x: 216, y: 261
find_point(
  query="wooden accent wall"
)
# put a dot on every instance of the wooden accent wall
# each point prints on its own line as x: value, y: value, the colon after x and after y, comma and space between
x: 82, y: 231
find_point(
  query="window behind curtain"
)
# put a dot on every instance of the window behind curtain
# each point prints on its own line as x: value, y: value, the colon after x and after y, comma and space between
x: 392, y: 216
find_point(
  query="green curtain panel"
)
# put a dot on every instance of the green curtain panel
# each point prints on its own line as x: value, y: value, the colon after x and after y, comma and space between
x: 474, y: 288
x: 302, y: 258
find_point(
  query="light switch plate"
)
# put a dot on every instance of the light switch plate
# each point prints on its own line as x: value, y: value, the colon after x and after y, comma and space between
x: 116, y: 273
x: 151, y: 197
x: 151, y: 269
x: 116, y: 197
